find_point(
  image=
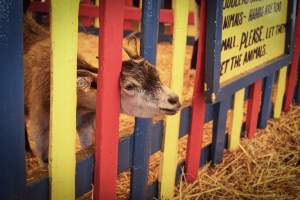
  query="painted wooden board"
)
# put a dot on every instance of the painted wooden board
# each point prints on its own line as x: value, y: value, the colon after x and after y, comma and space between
x: 170, y: 142
x: 108, y: 99
x: 128, y: 24
x: 143, y: 127
x: 293, y: 71
x: 86, y: 21
x: 96, y: 22
x: 64, y: 25
x: 131, y: 13
x: 297, y: 95
x: 253, y: 108
x: 281, y: 84
x: 140, y: 158
x: 12, y: 143
x: 198, y: 105
x: 266, y: 104
x: 237, y: 54
x: 219, y: 130
x: 237, y: 120
x: 234, y: 53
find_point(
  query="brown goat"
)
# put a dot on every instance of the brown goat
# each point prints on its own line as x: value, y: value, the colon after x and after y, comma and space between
x: 142, y: 93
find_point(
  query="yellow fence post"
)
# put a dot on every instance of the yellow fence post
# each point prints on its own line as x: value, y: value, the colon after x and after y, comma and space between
x: 192, y: 29
x: 281, y: 83
x: 96, y: 22
x: 64, y: 26
x: 237, y: 119
x: 170, y: 141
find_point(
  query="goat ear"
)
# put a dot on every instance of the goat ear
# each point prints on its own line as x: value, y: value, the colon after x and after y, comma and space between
x: 86, y: 75
x: 83, y: 65
x: 130, y: 46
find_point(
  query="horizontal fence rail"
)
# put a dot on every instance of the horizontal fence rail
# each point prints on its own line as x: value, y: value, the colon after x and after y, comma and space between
x: 130, y: 13
x: 250, y: 102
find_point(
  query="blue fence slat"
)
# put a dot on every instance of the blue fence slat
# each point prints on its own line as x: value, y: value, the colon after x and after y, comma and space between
x: 141, y: 153
x: 185, y: 118
x: 150, y: 24
x: 266, y: 101
x: 125, y: 153
x: 152, y: 190
x: 84, y: 175
x: 219, y: 128
x: 156, y: 136
x: 213, y: 44
x: 38, y: 190
x: 142, y: 137
x: 12, y: 145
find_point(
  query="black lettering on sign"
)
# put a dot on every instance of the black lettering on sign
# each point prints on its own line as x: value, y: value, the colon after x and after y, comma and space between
x: 254, y: 54
x: 269, y: 9
x: 224, y: 67
x: 231, y: 63
x: 275, y: 30
x: 233, y: 20
x: 251, y: 37
x: 280, y: 28
x: 228, y: 43
x: 256, y: 13
x: 236, y: 61
x: 270, y: 32
x: 233, y: 3
x: 277, y: 6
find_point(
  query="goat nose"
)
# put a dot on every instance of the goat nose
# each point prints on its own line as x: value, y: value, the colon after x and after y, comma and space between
x: 173, y: 100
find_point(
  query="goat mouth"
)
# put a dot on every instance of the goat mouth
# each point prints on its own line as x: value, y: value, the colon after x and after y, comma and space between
x: 169, y: 111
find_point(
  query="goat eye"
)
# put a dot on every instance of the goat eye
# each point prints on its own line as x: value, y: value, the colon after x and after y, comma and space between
x: 130, y: 87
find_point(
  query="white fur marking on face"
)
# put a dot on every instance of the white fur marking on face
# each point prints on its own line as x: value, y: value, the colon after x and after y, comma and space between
x: 84, y: 83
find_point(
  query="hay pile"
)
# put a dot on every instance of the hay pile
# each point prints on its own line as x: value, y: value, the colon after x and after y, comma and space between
x: 265, y: 167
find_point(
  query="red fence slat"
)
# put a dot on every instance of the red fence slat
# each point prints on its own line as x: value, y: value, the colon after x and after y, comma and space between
x: 293, y: 71
x: 108, y: 99
x: 86, y: 21
x: 198, y: 104
x: 253, y: 109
